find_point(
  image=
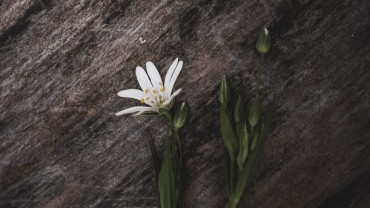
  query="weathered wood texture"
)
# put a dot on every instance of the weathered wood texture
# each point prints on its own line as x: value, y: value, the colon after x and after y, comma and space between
x: 62, y: 63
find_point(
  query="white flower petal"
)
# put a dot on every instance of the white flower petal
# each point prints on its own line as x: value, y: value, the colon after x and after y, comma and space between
x: 168, y: 101
x: 135, y: 94
x: 170, y: 73
x: 174, y: 77
x: 132, y: 93
x: 143, y: 79
x: 134, y: 110
x: 154, y: 75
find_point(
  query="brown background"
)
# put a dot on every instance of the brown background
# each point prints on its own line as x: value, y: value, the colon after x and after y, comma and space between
x: 62, y: 63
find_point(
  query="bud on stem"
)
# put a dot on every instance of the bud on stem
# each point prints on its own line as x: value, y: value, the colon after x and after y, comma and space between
x: 263, y: 42
x: 180, y: 117
x: 224, y: 94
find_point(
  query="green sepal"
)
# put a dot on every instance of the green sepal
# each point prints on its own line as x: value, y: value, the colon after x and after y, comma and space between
x: 163, y: 111
x: 172, y: 103
x: 149, y: 114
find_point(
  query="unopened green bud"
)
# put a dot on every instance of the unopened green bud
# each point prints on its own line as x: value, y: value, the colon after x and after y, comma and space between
x: 224, y: 94
x: 254, y: 112
x: 180, y: 116
x: 264, y: 42
x: 239, y: 110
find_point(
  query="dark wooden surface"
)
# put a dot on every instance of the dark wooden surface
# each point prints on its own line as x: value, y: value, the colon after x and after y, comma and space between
x: 62, y: 63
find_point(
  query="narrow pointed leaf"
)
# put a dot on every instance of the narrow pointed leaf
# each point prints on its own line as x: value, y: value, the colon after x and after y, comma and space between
x: 254, y: 112
x: 167, y: 191
x: 156, y: 163
x: 245, y: 143
x: 228, y: 134
x: 239, y: 110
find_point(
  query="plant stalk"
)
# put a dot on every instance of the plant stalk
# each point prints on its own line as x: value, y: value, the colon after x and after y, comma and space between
x: 260, y: 70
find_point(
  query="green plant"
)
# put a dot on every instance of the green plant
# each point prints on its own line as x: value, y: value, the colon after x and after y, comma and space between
x: 244, y: 131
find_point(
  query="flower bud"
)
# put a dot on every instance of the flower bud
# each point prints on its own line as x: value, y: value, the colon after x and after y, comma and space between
x: 239, y: 110
x: 180, y: 116
x: 264, y: 42
x: 224, y: 95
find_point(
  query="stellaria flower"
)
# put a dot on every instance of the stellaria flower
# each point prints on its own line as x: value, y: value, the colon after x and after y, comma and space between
x: 154, y: 93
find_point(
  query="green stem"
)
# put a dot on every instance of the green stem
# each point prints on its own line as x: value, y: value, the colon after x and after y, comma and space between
x: 177, y: 139
x: 176, y: 145
x: 169, y: 116
x: 260, y: 70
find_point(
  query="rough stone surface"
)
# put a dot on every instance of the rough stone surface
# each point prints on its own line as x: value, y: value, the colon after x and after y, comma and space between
x: 62, y: 63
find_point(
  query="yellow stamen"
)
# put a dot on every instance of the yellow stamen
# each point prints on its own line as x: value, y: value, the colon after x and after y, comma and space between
x: 154, y: 91
x: 146, y: 91
x: 147, y: 98
x: 162, y: 89
x: 142, y: 100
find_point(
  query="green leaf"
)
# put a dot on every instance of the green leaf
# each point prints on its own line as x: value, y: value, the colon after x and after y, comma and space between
x: 255, y: 138
x: 239, y: 110
x: 167, y: 189
x: 228, y: 134
x: 230, y: 143
x: 163, y: 111
x: 254, y: 112
x: 243, y: 146
x: 245, y: 143
x: 156, y: 163
x: 240, y: 134
x: 247, y: 173
x: 155, y: 158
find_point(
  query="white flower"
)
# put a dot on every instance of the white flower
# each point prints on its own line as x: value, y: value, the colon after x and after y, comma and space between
x: 154, y: 93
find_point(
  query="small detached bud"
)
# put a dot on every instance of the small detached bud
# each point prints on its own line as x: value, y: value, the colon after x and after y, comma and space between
x: 180, y: 117
x: 224, y: 94
x: 264, y: 42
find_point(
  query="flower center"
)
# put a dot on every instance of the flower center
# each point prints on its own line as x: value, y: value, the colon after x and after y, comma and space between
x: 154, y: 98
